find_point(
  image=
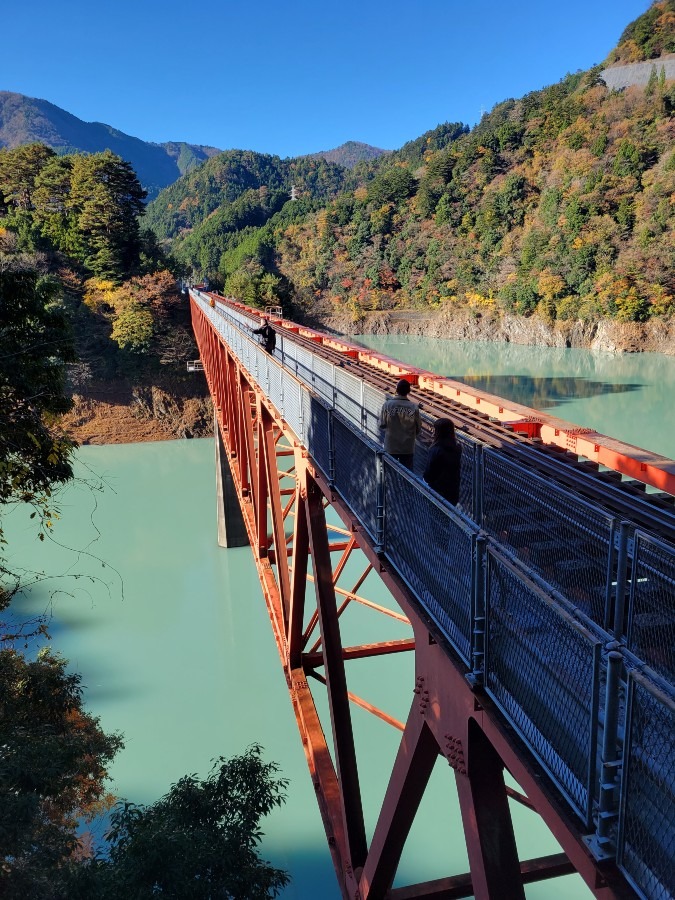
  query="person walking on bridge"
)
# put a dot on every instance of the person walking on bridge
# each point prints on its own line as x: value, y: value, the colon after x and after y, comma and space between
x: 443, y: 469
x: 400, y: 422
x: 268, y: 335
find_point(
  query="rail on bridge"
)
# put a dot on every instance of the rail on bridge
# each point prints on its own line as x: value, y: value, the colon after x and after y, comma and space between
x: 543, y: 629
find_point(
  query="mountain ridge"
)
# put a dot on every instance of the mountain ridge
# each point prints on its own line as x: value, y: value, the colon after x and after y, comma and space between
x: 25, y: 120
x: 348, y: 154
x: 555, y: 206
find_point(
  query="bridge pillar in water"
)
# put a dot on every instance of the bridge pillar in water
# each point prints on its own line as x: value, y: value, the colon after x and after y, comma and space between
x: 231, y: 527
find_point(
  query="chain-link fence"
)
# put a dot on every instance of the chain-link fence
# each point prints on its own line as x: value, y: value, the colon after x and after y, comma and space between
x: 317, y: 432
x: 542, y: 669
x: 433, y: 551
x: 651, y: 627
x: 565, y: 540
x: 356, y: 473
x: 646, y: 845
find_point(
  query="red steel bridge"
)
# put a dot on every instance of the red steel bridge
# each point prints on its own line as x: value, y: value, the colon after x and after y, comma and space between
x: 541, y: 609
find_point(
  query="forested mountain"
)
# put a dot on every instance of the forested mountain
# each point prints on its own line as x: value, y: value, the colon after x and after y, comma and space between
x: 224, y: 179
x: 349, y: 154
x: 557, y: 204
x: 235, y: 191
x: 26, y: 120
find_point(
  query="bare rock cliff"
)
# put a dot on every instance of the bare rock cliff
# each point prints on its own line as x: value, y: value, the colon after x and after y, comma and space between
x: 467, y: 325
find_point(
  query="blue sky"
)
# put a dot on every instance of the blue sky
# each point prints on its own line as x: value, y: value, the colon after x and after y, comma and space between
x: 297, y: 77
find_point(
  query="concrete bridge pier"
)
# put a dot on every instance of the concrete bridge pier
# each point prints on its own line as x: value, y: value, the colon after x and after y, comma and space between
x: 231, y: 527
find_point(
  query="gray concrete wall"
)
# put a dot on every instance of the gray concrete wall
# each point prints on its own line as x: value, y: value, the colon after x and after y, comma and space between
x: 618, y: 77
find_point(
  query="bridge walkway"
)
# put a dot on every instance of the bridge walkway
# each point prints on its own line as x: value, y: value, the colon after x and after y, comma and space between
x: 553, y: 614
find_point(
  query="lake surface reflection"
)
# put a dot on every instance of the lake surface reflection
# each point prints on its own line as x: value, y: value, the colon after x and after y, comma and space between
x: 626, y: 396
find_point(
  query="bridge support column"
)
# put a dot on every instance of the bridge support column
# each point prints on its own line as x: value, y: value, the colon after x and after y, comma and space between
x: 231, y: 527
x: 490, y: 841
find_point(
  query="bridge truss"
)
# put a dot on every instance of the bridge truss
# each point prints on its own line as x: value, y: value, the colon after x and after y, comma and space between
x: 284, y: 460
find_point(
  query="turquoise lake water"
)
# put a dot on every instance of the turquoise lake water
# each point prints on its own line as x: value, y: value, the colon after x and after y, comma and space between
x: 171, y: 633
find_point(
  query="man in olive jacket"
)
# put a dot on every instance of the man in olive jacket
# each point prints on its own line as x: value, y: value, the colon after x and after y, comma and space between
x: 400, y: 421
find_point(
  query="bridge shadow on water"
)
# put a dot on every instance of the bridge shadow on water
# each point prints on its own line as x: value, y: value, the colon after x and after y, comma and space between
x: 543, y: 393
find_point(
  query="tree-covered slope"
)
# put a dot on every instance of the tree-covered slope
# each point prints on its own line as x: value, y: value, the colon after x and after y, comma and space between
x: 648, y: 37
x: 224, y: 178
x: 26, y: 120
x: 557, y: 204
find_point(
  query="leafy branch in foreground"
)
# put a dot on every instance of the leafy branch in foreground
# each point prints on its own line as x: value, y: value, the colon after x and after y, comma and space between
x: 35, y: 348
x: 199, y: 841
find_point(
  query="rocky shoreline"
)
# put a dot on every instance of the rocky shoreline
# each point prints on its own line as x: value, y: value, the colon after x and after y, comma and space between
x: 125, y: 414
x: 606, y: 335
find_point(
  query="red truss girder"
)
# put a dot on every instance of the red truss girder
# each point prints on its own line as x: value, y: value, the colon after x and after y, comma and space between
x: 447, y: 717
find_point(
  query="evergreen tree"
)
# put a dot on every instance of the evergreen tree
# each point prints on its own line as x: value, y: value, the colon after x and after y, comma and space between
x: 107, y: 200
x: 51, y: 197
x: 19, y: 170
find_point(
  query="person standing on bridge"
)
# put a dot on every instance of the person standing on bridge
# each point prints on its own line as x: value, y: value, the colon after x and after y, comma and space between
x: 268, y: 335
x: 442, y: 472
x: 400, y: 421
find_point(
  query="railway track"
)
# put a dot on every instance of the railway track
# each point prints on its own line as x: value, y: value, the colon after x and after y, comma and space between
x: 625, y: 497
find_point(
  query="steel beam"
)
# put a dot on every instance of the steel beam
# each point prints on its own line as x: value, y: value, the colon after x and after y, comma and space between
x: 336, y: 681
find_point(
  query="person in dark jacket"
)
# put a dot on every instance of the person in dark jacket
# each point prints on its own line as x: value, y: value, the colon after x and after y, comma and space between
x: 400, y: 422
x: 268, y: 335
x: 443, y: 463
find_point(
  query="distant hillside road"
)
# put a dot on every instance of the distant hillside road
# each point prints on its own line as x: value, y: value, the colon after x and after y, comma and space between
x: 618, y: 77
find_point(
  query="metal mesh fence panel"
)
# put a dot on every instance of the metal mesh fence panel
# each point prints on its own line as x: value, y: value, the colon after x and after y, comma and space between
x: 275, y: 392
x: 303, y: 365
x: 290, y: 355
x: 541, y: 668
x: 316, y: 421
x: 373, y: 398
x: 322, y: 378
x: 567, y: 542
x: 466, y: 482
x: 420, y: 457
x: 348, y: 396
x: 249, y: 355
x: 293, y: 404
x: 356, y: 472
x: 238, y: 317
x: 646, y: 850
x: 652, y: 605
x: 432, y: 552
x: 264, y: 366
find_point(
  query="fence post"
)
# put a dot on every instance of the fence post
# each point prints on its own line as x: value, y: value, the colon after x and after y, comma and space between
x: 621, y: 581
x: 478, y: 606
x: 331, y: 451
x: 602, y: 843
x: 478, y: 485
x: 380, y: 536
